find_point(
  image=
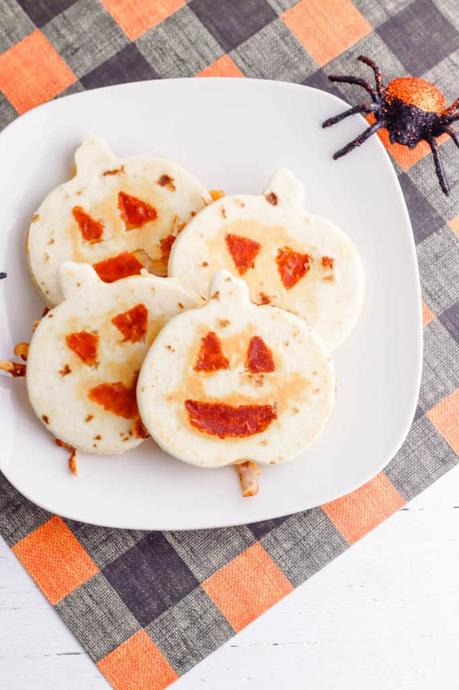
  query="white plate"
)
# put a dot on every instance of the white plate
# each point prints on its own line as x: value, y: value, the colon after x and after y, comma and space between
x: 233, y: 134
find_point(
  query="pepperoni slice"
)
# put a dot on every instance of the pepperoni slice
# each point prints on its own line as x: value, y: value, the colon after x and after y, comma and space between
x: 218, y: 419
x: 91, y: 230
x: 120, y: 266
x: 135, y: 212
x: 166, y: 246
x: 259, y: 356
x: 211, y: 357
x: 292, y: 266
x: 116, y: 398
x: 138, y: 430
x: 84, y: 345
x: 243, y: 252
x: 327, y: 262
x: 132, y: 323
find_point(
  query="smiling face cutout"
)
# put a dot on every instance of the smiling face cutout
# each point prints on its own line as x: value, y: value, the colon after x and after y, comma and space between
x: 229, y: 419
x: 289, y: 258
x: 233, y: 381
x: 86, y: 353
x: 117, y: 214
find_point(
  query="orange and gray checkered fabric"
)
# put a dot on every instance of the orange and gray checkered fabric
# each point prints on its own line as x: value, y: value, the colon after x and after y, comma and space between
x: 147, y: 606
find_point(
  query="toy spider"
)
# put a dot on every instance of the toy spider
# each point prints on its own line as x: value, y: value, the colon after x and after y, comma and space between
x: 410, y: 108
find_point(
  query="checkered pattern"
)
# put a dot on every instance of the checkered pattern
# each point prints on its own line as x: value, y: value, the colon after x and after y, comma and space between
x: 148, y: 606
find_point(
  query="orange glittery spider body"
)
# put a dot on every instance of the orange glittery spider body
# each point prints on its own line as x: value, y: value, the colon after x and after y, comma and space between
x: 410, y: 108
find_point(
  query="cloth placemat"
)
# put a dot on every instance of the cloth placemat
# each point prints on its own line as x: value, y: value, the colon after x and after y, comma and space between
x: 148, y: 606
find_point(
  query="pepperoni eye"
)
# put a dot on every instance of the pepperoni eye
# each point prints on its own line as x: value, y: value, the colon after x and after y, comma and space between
x: 210, y: 356
x: 133, y: 323
x: 292, y: 266
x: 259, y: 357
x: 90, y: 228
x: 84, y: 344
x: 243, y: 252
x: 135, y: 212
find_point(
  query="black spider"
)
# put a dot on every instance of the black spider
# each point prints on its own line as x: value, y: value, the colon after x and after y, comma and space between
x: 410, y: 108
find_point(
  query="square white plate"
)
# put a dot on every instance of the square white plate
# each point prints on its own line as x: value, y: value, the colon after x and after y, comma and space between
x: 233, y: 134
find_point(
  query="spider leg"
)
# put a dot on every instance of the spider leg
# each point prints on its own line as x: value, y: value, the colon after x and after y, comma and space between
x: 356, y: 81
x: 452, y: 108
x: 362, y: 108
x: 450, y: 118
x: 439, y: 165
x: 377, y: 72
x: 358, y: 140
x: 453, y: 134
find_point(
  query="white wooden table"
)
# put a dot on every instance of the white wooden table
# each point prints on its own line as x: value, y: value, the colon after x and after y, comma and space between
x: 385, y: 616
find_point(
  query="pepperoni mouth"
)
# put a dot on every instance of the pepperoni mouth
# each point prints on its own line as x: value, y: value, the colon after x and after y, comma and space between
x: 229, y: 421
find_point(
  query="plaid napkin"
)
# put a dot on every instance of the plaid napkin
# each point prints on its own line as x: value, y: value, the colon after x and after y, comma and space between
x: 148, y: 606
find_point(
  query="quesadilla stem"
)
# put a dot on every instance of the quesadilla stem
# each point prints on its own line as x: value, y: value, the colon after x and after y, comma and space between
x: 249, y: 473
